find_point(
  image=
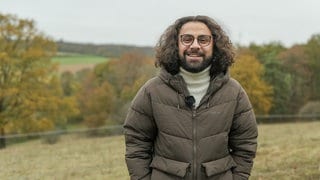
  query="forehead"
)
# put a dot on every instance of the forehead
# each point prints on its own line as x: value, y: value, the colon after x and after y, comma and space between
x: 195, y: 28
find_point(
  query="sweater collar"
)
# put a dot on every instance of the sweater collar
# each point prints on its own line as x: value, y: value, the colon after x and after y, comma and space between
x: 190, y: 77
x: 177, y: 82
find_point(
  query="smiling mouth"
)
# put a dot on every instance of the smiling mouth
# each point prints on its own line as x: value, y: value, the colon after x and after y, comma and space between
x: 194, y: 55
x: 194, y: 58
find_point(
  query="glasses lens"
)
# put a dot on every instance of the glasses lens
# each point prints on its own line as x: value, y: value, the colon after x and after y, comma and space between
x: 187, y: 39
x: 204, y: 40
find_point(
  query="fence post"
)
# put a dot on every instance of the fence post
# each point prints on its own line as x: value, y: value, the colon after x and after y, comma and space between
x: 2, y: 138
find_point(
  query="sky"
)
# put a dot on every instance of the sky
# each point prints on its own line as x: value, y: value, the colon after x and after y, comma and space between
x: 141, y: 22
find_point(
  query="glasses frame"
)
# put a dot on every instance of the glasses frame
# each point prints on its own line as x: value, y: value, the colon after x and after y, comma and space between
x: 193, y: 38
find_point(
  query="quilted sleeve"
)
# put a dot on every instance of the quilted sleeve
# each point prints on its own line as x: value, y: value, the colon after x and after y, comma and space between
x: 243, y: 137
x: 139, y: 131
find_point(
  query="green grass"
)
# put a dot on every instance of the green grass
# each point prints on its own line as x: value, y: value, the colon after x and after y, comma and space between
x: 285, y: 152
x: 78, y: 59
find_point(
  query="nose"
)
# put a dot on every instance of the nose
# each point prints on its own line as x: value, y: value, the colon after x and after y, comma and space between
x: 195, y: 44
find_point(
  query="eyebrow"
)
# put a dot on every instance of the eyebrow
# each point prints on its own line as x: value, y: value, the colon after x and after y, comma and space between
x: 196, y: 36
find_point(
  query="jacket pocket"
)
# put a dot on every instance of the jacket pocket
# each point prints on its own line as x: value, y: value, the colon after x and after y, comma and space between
x: 169, y: 166
x: 219, y: 166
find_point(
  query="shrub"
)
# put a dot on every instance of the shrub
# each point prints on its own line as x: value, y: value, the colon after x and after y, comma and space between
x: 311, y: 107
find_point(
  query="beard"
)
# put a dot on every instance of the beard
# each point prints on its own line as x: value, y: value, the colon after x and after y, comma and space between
x: 195, y: 67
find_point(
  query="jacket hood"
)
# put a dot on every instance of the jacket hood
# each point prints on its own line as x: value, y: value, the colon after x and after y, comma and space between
x: 174, y: 81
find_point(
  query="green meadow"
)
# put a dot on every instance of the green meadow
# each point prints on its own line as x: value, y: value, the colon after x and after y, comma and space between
x: 288, y: 151
x: 73, y: 59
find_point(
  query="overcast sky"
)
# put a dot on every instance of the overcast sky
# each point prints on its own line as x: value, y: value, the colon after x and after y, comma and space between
x: 141, y: 22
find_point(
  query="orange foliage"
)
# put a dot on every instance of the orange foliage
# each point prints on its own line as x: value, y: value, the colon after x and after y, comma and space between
x: 248, y: 71
x: 30, y: 98
x: 96, y: 102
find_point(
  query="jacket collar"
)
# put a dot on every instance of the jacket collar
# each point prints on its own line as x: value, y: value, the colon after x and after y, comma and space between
x: 174, y: 81
x: 177, y: 82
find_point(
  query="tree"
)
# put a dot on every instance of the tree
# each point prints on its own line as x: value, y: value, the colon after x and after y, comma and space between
x: 110, y: 86
x: 123, y: 72
x: 266, y: 51
x: 249, y: 72
x: 69, y: 84
x: 30, y: 95
x: 96, y: 101
x: 127, y: 74
x: 275, y: 74
x: 313, y: 53
x: 295, y: 62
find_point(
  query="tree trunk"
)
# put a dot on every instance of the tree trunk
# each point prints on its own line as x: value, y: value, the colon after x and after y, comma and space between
x: 2, y: 138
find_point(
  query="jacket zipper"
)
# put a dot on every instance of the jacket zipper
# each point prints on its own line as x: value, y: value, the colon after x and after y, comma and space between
x: 194, y: 139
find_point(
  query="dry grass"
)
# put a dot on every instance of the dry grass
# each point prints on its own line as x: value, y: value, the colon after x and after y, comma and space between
x: 73, y: 157
x: 286, y: 151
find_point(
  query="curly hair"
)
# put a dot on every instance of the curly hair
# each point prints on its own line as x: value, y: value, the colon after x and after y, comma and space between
x: 167, y: 50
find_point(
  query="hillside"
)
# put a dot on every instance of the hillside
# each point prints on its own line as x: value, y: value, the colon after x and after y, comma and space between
x: 105, y: 50
x: 75, y: 62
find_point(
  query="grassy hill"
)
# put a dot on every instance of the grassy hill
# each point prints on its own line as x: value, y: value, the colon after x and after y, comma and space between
x: 105, y: 50
x: 74, y: 62
x: 285, y: 151
x: 71, y: 59
x: 77, y: 56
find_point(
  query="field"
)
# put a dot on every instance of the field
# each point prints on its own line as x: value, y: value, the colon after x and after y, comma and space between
x: 76, y: 62
x: 285, y: 151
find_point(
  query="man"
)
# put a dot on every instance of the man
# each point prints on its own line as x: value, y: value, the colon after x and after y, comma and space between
x: 192, y: 121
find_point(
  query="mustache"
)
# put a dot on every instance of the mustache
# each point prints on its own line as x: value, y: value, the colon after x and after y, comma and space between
x: 194, y: 52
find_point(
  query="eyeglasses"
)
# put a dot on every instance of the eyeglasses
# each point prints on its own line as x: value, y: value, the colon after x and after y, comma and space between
x: 203, y: 40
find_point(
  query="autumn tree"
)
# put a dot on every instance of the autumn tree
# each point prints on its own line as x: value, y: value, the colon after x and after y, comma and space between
x: 69, y: 84
x: 295, y: 63
x: 96, y: 101
x: 131, y: 71
x: 249, y: 72
x: 130, y: 67
x: 275, y: 74
x: 312, y: 50
x: 30, y: 95
x: 122, y: 77
x: 266, y: 51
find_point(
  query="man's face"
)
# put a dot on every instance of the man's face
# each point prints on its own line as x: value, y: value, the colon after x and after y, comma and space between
x: 195, y: 46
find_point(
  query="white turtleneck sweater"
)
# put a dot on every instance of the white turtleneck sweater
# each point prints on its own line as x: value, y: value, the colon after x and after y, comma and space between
x: 197, y: 83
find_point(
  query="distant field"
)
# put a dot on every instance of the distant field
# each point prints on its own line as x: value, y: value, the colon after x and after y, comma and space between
x: 76, y: 62
x: 79, y: 59
x: 285, y: 152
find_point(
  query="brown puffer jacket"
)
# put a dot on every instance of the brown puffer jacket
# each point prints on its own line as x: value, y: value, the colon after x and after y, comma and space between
x: 165, y: 139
